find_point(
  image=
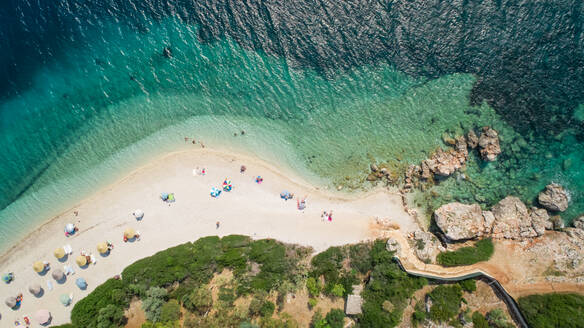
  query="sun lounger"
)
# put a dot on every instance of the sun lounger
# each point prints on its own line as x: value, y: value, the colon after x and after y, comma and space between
x: 93, y: 259
x: 49, y: 285
x: 68, y: 249
x: 68, y: 269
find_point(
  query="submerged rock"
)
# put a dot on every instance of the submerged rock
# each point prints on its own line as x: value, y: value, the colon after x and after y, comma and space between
x: 472, y: 139
x: 444, y: 163
x: 489, y: 147
x: 554, y: 198
x: 461, y: 221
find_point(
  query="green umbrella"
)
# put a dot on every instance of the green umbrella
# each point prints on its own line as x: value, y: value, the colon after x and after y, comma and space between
x: 65, y: 299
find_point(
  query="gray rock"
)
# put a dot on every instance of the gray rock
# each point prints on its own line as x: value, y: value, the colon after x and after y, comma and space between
x: 373, y: 167
x: 353, y: 305
x: 392, y: 245
x: 444, y: 163
x: 427, y: 246
x: 489, y: 147
x: 513, y: 220
x: 554, y: 198
x: 557, y: 222
x: 540, y: 220
x: 460, y: 221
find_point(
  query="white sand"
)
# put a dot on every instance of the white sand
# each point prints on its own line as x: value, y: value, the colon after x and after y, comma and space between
x: 250, y: 209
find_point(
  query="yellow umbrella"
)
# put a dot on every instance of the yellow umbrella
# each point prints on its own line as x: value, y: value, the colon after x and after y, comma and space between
x: 38, y: 266
x: 130, y: 233
x: 81, y: 260
x: 102, y: 248
x: 59, y: 253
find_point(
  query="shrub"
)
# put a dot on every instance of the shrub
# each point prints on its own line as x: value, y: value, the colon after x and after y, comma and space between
x: 86, y: 311
x: 335, y: 318
x: 468, y: 285
x: 317, y: 320
x: 553, y: 310
x: 313, y: 286
x: 479, y: 321
x: 267, y: 309
x: 498, y: 319
x: 338, y: 290
x: 360, y: 257
x: 312, y: 302
x: 419, y: 314
x: 445, y: 302
x: 227, y: 296
x: 482, y: 251
x: 170, y: 311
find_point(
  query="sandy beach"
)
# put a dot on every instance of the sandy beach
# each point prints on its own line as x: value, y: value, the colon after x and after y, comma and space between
x: 249, y: 209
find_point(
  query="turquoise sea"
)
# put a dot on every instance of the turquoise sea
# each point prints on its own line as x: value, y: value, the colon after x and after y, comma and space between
x: 87, y: 93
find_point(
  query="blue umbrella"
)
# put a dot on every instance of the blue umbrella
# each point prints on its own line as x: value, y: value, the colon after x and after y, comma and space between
x: 164, y: 196
x: 81, y: 283
x: 7, y: 277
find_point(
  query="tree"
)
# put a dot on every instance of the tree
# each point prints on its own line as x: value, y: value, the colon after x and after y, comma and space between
x: 479, y: 321
x: 200, y: 300
x: 170, y: 311
x: 110, y: 316
x: 335, y: 318
x: 152, y: 305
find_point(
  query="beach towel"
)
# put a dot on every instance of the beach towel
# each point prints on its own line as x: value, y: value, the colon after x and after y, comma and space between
x: 93, y: 259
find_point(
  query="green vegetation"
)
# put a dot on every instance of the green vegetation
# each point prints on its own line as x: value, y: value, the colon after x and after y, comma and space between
x: 553, y: 310
x: 498, y: 319
x: 445, y: 302
x: 387, y: 283
x: 251, y: 280
x: 479, y: 321
x: 482, y: 251
x: 468, y: 285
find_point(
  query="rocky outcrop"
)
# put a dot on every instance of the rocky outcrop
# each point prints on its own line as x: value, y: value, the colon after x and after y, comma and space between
x: 554, y: 198
x: 489, y: 147
x: 427, y: 246
x: 461, y: 221
x: 508, y: 219
x: 514, y: 221
x: 392, y: 245
x: 579, y: 223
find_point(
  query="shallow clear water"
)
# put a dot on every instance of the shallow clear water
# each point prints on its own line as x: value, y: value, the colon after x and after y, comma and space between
x: 111, y: 100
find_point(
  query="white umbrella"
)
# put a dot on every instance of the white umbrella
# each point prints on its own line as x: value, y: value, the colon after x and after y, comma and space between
x: 138, y: 214
x: 42, y: 316
x: 34, y: 289
x: 70, y: 228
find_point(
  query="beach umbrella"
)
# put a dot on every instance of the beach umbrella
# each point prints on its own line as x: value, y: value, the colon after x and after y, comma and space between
x: 65, y: 299
x: 42, y: 316
x: 81, y: 260
x: 138, y: 214
x: 34, y: 289
x: 70, y: 228
x: 164, y: 196
x: 215, y: 192
x: 81, y: 283
x: 7, y: 277
x: 11, y: 302
x: 102, y: 248
x: 38, y: 266
x: 227, y: 186
x: 59, y: 253
x: 58, y: 274
x: 129, y: 233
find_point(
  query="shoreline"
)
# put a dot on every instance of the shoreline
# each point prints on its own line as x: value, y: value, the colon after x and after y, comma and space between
x: 250, y: 209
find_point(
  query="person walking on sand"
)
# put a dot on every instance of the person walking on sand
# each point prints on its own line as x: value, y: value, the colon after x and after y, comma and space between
x: 217, y: 224
x: 330, y: 216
